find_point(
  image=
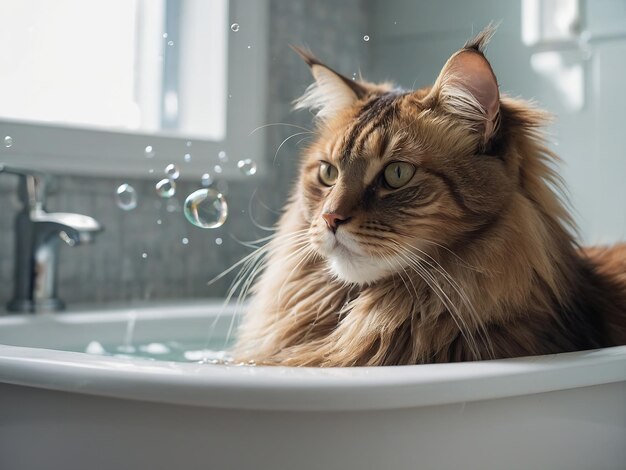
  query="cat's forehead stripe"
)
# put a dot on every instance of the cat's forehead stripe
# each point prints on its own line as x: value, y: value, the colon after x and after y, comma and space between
x: 374, y: 112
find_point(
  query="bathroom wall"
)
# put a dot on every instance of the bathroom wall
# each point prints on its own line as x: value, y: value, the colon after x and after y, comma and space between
x: 580, y: 82
x: 114, y: 268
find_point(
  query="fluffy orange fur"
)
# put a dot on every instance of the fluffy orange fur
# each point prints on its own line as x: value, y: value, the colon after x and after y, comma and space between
x: 471, y: 258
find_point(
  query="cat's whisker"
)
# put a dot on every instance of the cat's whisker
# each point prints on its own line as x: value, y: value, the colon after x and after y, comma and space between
x: 455, y: 314
x: 281, y: 124
x: 251, y: 216
x: 285, y: 141
x: 464, y: 297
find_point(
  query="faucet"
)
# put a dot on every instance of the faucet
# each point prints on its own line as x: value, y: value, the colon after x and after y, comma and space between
x: 37, y: 237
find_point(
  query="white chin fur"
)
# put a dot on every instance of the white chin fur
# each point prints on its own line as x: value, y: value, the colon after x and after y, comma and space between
x: 356, y: 270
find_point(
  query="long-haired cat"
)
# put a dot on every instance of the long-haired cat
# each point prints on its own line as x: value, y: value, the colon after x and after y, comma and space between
x: 425, y: 227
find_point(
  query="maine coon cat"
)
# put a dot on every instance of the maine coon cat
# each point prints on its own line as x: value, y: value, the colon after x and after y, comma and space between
x: 426, y: 226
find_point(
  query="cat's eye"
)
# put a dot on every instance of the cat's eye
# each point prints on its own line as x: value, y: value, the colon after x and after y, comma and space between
x: 397, y: 174
x: 328, y: 174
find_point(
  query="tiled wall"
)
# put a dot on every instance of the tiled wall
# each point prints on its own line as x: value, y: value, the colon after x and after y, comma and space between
x: 112, y: 269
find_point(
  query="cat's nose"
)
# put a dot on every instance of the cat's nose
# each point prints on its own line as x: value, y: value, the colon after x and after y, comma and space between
x: 334, y: 220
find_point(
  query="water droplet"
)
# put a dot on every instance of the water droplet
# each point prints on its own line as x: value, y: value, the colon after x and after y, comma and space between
x: 206, y: 208
x: 149, y: 151
x: 217, y: 169
x: 170, y: 43
x: 206, y: 180
x: 164, y: 35
x: 247, y: 167
x: 218, y: 241
x: 8, y: 141
x: 185, y: 241
x: 188, y: 143
x: 159, y: 221
x: 366, y: 38
x: 172, y: 205
x: 165, y: 188
x: 222, y: 156
x: 144, y: 255
x: 234, y: 27
x: 187, y: 157
x: 172, y: 171
x: 126, y: 197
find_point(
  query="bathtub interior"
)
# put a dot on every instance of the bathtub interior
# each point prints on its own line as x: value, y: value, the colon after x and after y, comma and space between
x: 180, y: 332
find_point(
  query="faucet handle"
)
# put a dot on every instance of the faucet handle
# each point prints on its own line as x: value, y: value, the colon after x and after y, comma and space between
x: 32, y: 190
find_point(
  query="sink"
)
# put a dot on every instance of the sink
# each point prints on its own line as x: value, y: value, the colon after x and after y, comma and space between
x: 63, y: 408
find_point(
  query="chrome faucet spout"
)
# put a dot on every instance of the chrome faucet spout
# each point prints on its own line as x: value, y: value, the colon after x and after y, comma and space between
x: 38, y: 233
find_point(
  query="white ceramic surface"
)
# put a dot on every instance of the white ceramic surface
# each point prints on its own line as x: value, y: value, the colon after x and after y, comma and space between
x: 62, y: 409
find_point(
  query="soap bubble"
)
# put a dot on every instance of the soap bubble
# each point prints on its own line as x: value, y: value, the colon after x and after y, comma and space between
x: 165, y: 188
x: 247, y: 167
x: 218, y: 241
x: 206, y: 208
x: 234, y: 27
x: 172, y: 171
x: 126, y: 197
x: 187, y: 157
x: 366, y: 38
x: 185, y: 241
x: 206, y: 180
x: 144, y: 255
x: 218, y: 169
x: 170, y: 43
x: 8, y: 141
x: 222, y: 156
x: 149, y: 151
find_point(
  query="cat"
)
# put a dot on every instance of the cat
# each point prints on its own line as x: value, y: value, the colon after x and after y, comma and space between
x: 426, y: 226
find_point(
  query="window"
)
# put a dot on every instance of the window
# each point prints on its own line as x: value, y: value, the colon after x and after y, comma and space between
x: 85, y: 84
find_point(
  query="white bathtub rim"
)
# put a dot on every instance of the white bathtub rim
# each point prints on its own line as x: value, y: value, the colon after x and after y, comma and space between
x: 307, y: 389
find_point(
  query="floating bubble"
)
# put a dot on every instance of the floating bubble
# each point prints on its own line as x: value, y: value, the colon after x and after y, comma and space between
x: 218, y: 169
x: 249, y: 46
x: 206, y: 180
x: 206, y: 208
x: 159, y: 221
x: 8, y: 141
x: 366, y: 38
x: 164, y: 35
x: 172, y: 171
x: 126, y: 197
x: 144, y: 255
x: 187, y: 157
x: 170, y: 43
x: 234, y: 27
x: 218, y: 241
x: 165, y: 188
x: 149, y: 151
x: 247, y: 167
x: 222, y: 156
x: 188, y: 143
x: 185, y: 241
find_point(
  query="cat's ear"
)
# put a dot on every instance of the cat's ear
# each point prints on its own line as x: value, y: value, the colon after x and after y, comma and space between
x: 331, y: 92
x: 467, y: 88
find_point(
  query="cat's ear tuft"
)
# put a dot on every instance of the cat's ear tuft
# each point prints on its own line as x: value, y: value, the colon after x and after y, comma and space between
x: 467, y: 88
x: 331, y: 92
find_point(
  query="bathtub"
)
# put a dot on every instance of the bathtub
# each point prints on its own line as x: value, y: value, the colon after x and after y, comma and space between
x: 64, y: 409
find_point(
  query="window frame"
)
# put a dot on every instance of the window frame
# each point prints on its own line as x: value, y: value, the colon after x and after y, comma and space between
x: 84, y: 150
